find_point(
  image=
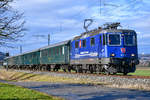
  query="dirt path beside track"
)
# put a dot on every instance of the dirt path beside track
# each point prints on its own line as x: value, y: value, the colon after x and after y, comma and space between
x: 143, y: 68
x: 84, y: 92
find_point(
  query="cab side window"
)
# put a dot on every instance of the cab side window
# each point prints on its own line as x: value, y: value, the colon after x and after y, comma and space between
x: 92, y: 41
x: 76, y: 44
x: 104, y: 39
x: 83, y: 43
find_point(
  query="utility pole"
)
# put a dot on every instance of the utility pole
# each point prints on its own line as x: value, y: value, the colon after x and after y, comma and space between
x: 44, y: 36
x: 20, y: 49
x: 48, y: 39
x: 100, y: 6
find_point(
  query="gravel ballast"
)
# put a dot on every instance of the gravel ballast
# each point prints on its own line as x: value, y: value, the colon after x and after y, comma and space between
x: 112, y: 81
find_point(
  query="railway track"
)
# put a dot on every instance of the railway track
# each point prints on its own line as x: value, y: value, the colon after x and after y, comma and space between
x: 98, y: 74
x: 101, y: 74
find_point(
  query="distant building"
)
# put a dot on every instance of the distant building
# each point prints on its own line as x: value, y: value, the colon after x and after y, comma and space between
x: 144, y: 60
x: 2, y: 56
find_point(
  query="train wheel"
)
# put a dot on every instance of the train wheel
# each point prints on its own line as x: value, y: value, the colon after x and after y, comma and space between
x: 64, y: 70
x: 76, y: 71
x: 114, y: 73
x: 125, y: 73
x: 54, y: 69
x: 107, y: 73
x: 91, y: 71
x: 69, y: 70
x: 85, y: 71
x: 80, y: 71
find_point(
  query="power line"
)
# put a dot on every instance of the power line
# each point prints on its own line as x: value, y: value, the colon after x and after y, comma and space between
x: 48, y: 39
x: 126, y: 6
x: 100, y: 5
x: 44, y: 36
x: 20, y: 49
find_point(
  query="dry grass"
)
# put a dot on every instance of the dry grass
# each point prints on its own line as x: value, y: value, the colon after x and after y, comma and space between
x: 125, y: 86
x: 142, y: 68
x: 29, y: 77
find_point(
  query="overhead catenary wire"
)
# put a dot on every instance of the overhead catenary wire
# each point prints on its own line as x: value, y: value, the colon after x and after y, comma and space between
x: 100, y: 4
x: 117, y: 7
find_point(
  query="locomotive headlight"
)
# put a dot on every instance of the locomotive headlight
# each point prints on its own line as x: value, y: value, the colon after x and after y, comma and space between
x: 132, y: 55
x: 112, y: 54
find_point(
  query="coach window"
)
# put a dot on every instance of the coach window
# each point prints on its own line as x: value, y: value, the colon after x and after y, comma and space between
x: 34, y: 55
x: 76, y: 44
x: 83, y: 43
x: 60, y: 50
x: 92, y: 41
x: 43, y: 53
x: 57, y: 51
x: 26, y: 57
x: 49, y: 52
x: 53, y: 51
x: 46, y: 53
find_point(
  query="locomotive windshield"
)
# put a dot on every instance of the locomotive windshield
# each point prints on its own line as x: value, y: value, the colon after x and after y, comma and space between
x: 130, y: 40
x: 114, y: 39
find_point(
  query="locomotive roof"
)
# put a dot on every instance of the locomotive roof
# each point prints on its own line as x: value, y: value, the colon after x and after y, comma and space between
x: 100, y: 31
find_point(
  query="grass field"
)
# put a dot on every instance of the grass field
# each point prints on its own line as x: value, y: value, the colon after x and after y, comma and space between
x: 12, y: 92
x: 142, y: 71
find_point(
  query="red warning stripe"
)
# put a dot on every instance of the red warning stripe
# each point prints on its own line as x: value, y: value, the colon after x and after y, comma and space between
x: 123, y: 50
x: 80, y: 44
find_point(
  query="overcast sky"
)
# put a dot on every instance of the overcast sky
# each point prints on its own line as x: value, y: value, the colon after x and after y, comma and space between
x: 63, y: 19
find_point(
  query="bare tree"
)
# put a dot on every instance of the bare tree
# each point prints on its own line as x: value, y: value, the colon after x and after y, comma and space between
x: 11, y: 23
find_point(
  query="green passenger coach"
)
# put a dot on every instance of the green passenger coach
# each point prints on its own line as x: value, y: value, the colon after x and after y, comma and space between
x: 55, y: 56
x: 31, y: 58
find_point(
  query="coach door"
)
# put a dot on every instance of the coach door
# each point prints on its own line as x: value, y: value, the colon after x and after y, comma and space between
x: 100, y: 45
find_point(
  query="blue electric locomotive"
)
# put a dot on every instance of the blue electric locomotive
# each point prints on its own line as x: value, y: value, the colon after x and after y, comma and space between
x: 108, y: 50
